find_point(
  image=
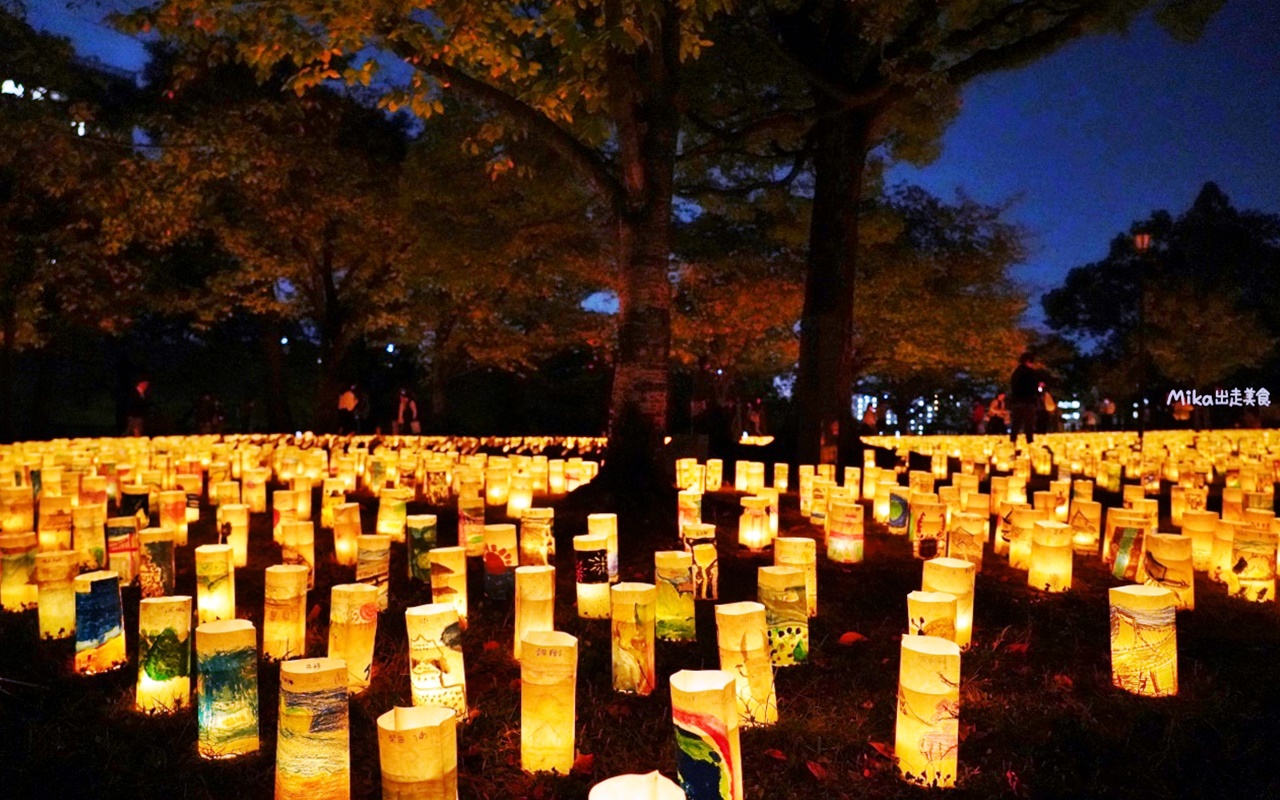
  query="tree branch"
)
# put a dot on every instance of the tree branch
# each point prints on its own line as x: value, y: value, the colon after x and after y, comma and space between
x: 1071, y: 26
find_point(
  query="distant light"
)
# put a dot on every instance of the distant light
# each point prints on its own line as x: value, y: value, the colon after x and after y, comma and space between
x: 284, y: 340
x: 9, y: 87
x: 1141, y: 241
x: 719, y: 372
x: 391, y: 348
x: 319, y: 360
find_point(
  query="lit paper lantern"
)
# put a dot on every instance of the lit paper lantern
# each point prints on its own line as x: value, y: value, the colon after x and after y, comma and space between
x: 535, y: 602
x: 302, y: 487
x: 606, y: 525
x: 927, y: 735
x: 637, y: 787
x: 688, y: 510
x: 501, y: 556
x: 173, y: 515
x: 706, y: 572
x: 437, y: 675
x: 223, y: 491
x: 845, y: 532
x: 226, y: 688
x: 537, y: 537
x: 497, y: 482
x: 55, y: 523
x: 1252, y: 575
x: 898, y: 510
x: 1168, y: 564
x: 19, y: 507
x: 592, y: 575
x: 821, y: 494
x: 806, y: 489
x: 548, y: 687
x: 156, y: 568
x: 1220, y: 561
x: 471, y: 519
x: 332, y: 493
x: 1232, y: 504
x: 284, y: 509
x: 353, y: 628
x: 135, y: 501
x: 284, y: 613
x: 313, y: 749
x: 673, y: 575
x: 708, y: 753
x: 164, y: 654
x: 233, y: 527
x: 253, y: 489
x: 741, y: 634
x: 298, y: 547
x: 802, y: 553
x: 1022, y: 528
x: 1199, y: 525
x: 931, y: 614
x: 192, y: 485
x: 1085, y: 519
x: 99, y: 623
x: 373, y: 564
x: 1125, y: 544
x: 392, y: 511
x: 520, y: 495
x: 122, y: 547
x: 780, y: 477
x: 89, y: 535
x: 346, y: 533
x: 953, y: 576
x: 215, y: 583
x: 928, y: 529
x: 632, y: 607
x: 753, y: 525
x: 421, y: 536
x: 449, y: 579
x: 967, y: 537
x: 782, y: 593
x: 699, y: 533
x: 418, y: 751
x: 1051, y: 557
x: 54, y: 573
x: 18, y: 588
x: 1144, y: 646
x: 715, y: 474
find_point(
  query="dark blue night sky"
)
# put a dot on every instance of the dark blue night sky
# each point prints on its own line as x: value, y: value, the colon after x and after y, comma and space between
x: 1087, y: 140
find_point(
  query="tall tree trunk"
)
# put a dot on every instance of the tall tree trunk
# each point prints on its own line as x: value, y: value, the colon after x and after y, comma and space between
x: 279, y: 416
x: 8, y: 354
x: 824, y: 385
x: 329, y: 385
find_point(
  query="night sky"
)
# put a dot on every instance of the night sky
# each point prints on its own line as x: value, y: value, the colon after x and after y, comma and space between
x: 1086, y: 141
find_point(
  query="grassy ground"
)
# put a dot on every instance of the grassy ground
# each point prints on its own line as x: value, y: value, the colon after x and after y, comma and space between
x: 1039, y: 716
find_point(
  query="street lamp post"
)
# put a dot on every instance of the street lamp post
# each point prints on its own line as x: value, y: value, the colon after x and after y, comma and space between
x: 1142, y: 243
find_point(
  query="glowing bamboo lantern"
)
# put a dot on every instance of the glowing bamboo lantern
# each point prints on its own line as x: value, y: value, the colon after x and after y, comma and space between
x: 753, y: 524
x: 233, y: 527
x: 1220, y: 561
x: 1232, y: 504
x: 740, y: 476
x: 845, y: 532
x: 226, y: 688
x: 373, y: 564
x: 1085, y: 521
x: 284, y: 509
x: 99, y: 623
x: 606, y: 525
x: 741, y: 633
x: 1022, y: 527
x: 1144, y: 646
x: 592, y: 574
x: 421, y: 536
x: 223, y: 491
x: 652, y: 786
x: 298, y: 546
x: 392, y: 512
x: 1168, y: 564
x: 55, y: 523
x: 953, y: 576
x: 927, y: 736
x: 353, y: 627
x: 555, y: 477
x: 156, y: 568
x: 537, y: 537
x: 54, y: 573
x: 418, y: 751
x: 806, y: 489
x: 780, y: 477
x: 164, y: 654
x: 548, y: 686
x: 632, y: 607
x: 253, y: 489
x: 899, y: 508
x: 1051, y: 557
x: 688, y: 510
x: 708, y: 754
x: 821, y: 494
x: 284, y: 613
x: 215, y: 583
x: 437, y: 674
x: 706, y: 571
x: 173, y: 515
x: 673, y: 575
x: 19, y: 509
x: 931, y: 614
x: 1252, y: 575
x: 313, y: 752
x: 1199, y: 525
x: 135, y: 501
x: 870, y: 482
x: 715, y: 474
x: 122, y: 547
x: 699, y: 533
x: 535, y: 602
x: 18, y: 587
x: 782, y: 593
x: 928, y: 529
x: 449, y: 579
x: 501, y: 556
x: 471, y: 518
x: 332, y: 493
x: 802, y: 553
x: 520, y: 495
x: 967, y: 537
x: 346, y: 533
x: 1125, y: 543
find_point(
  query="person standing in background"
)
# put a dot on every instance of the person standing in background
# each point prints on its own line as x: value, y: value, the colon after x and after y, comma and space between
x: 406, y: 421
x: 347, y: 402
x: 1024, y: 398
x: 139, y: 408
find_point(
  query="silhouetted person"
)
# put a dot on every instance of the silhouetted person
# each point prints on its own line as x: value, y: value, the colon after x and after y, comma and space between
x: 347, y: 402
x: 1024, y: 398
x: 406, y: 420
x: 139, y: 408
x: 998, y: 414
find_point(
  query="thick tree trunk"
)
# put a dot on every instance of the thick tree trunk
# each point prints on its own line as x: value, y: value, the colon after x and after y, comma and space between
x: 8, y: 354
x: 279, y: 416
x: 328, y: 387
x: 824, y: 386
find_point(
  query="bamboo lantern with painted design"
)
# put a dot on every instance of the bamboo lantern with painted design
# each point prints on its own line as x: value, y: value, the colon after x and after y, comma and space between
x: 332, y: 493
x: 520, y: 495
x: 633, y: 615
x: 437, y: 673
x: 870, y: 480
x: 284, y: 612
x: 1051, y: 557
x: 99, y: 623
x: 753, y: 524
x: 1085, y: 521
x: 18, y: 587
x: 953, y: 576
x: 1168, y: 564
x: 845, y: 532
x: 253, y: 489
x: 1252, y: 575
x: 606, y: 525
x: 548, y: 688
x: 780, y: 477
x: 967, y: 537
x: 284, y: 509
x: 782, y: 593
x: 89, y: 535
x: 215, y: 583
x: 226, y: 688
x: 708, y: 753
x: 55, y: 523
x: 299, y: 547
x: 122, y: 547
x: 535, y: 602
x: 537, y: 537
x: 1125, y: 544
x: 353, y: 627
x: 1022, y: 527
x: 928, y: 528
x: 1199, y: 525
x: 421, y: 535
x: 233, y: 527
x: 802, y: 553
x: 54, y: 573
x: 173, y: 515
x: 392, y: 511
x: 164, y: 654
x: 715, y: 474
x: 156, y: 567
x: 688, y: 510
x: 1220, y: 562
x: 449, y: 579
x: 1232, y: 504
x: 592, y: 575
x: 706, y: 572
x: 346, y: 533
x: 418, y: 752
x: 1144, y: 645
x: 471, y: 517
x: 19, y: 509
x: 653, y: 786
x: 927, y: 735
x: 313, y: 742
x: 898, y: 517
x: 302, y: 486
x: 742, y: 637
x: 931, y: 614
x: 373, y: 564
x: 673, y: 575
x: 501, y: 556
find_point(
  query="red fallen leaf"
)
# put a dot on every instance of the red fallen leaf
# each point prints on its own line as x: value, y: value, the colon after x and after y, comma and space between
x: 776, y: 754
x: 851, y: 637
x: 584, y: 764
x: 1011, y: 778
x: 515, y: 685
x: 817, y: 770
x: 490, y: 646
x: 883, y: 749
x: 314, y: 614
x: 869, y: 704
x: 1017, y: 648
x: 1063, y: 682
x: 472, y: 714
x: 965, y: 730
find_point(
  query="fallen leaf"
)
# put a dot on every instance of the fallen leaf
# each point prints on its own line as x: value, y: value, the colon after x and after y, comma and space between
x: 1063, y: 682
x: 851, y: 637
x: 818, y: 771
x: 869, y: 704
x: 472, y: 714
x: 776, y: 754
x: 883, y: 749
x: 490, y: 646
x: 584, y: 764
x: 1017, y: 648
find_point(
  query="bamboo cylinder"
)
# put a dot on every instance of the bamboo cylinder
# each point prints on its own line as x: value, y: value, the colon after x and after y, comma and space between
x: 1168, y: 564
x: 673, y: 575
x: 606, y: 525
x: 449, y: 579
x: 632, y: 607
x: 313, y: 747
x: 501, y: 556
x: 537, y: 537
x: 156, y: 567
x: 708, y: 753
x: 845, y: 532
x: 215, y: 583
x: 802, y: 553
x: 592, y: 554
x: 437, y: 674
x: 373, y: 564
x: 652, y: 786
x: 418, y: 752
x: 353, y: 629
x: 421, y: 535
x: 164, y: 654
x: 18, y: 587
x: 548, y: 688
x: 54, y: 573
x: 931, y: 614
x: 741, y: 634
x: 1051, y: 557
x: 1144, y: 647
x: 953, y: 576
x: 927, y: 736
x: 782, y: 593
x: 284, y: 612
x: 706, y: 572
x: 99, y: 623
x: 226, y: 688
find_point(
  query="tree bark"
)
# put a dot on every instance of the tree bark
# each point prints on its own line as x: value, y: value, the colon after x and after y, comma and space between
x: 824, y: 386
x: 8, y: 353
x: 279, y: 416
